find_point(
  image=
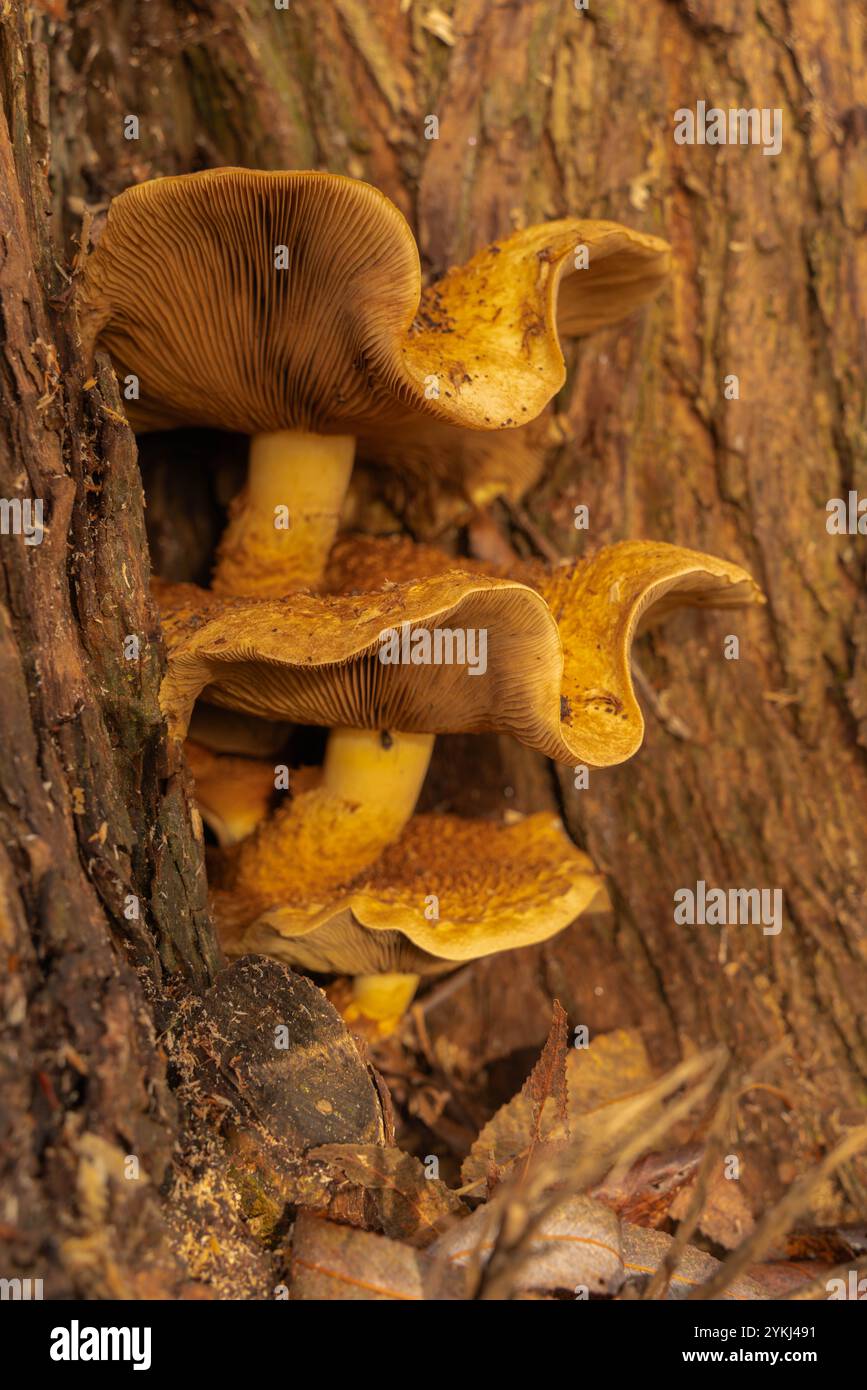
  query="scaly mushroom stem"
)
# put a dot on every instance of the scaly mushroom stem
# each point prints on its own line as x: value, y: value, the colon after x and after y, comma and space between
x: 283, y: 524
x: 386, y: 772
x: 381, y: 999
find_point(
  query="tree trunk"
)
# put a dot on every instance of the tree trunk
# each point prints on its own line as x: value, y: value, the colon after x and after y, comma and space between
x: 753, y: 771
x: 104, y: 907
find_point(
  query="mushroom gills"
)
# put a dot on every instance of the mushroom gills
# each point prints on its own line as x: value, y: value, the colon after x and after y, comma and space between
x: 283, y: 524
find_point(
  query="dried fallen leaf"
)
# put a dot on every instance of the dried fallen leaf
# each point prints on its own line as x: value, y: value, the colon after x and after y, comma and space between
x: 777, y: 1220
x: 726, y: 1216
x: 614, y: 1067
x: 830, y: 1244
x: 340, y: 1263
x: 576, y: 1247
x: 601, y: 1082
x: 644, y: 1250
x: 410, y: 1206
x: 779, y: 1279
x: 647, y: 1192
x: 547, y: 1080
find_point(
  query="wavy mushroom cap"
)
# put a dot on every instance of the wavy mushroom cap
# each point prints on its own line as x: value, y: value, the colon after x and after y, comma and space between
x: 432, y: 474
x: 316, y: 659
x: 557, y: 647
x: 186, y: 290
x: 489, y: 329
x: 497, y: 887
x: 449, y: 467
x: 626, y: 269
x: 233, y: 794
x: 225, y: 731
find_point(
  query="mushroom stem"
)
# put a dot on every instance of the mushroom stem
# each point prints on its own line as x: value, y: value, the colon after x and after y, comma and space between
x: 283, y: 524
x: 383, y: 999
x: 379, y: 771
x: 371, y: 782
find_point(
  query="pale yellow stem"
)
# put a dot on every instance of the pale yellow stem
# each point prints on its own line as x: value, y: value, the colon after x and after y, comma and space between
x: 316, y: 843
x: 283, y: 524
x: 381, y: 773
x: 384, y: 773
x: 383, y: 999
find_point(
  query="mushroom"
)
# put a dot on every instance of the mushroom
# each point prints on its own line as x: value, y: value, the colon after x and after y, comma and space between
x: 287, y: 306
x: 427, y: 475
x: 451, y: 471
x: 233, y: 794
x: 557, y: 677
x: 446, y: 891
x: 225, y: 731
x: 557, y: 672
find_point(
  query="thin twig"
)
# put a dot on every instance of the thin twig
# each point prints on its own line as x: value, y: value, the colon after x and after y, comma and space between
x: 659, y: 1281
x: 444, y: 991
x: 672, y: 723
x: 534, y: 534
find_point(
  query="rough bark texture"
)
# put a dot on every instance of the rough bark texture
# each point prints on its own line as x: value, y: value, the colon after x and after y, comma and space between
x: 104, y: 908
x: 543, y: 110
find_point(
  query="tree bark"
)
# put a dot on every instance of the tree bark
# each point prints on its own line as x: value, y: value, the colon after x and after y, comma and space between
x: 753, y: 771
x: 104, y: 906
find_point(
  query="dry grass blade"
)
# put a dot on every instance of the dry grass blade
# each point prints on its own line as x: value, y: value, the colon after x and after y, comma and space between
x: 776, y: 1222
x: 659, y: 1281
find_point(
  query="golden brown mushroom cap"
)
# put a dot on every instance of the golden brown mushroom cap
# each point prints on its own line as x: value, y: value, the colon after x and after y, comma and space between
x: 225, y: 731
x: 233, y: 794
x: 558, y: 647
x: 315, y: 660
x: 447, y: 466
x: 497, y: 886
x: 184, y: 292
x: 625, y: 269
x: 489, y: 329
